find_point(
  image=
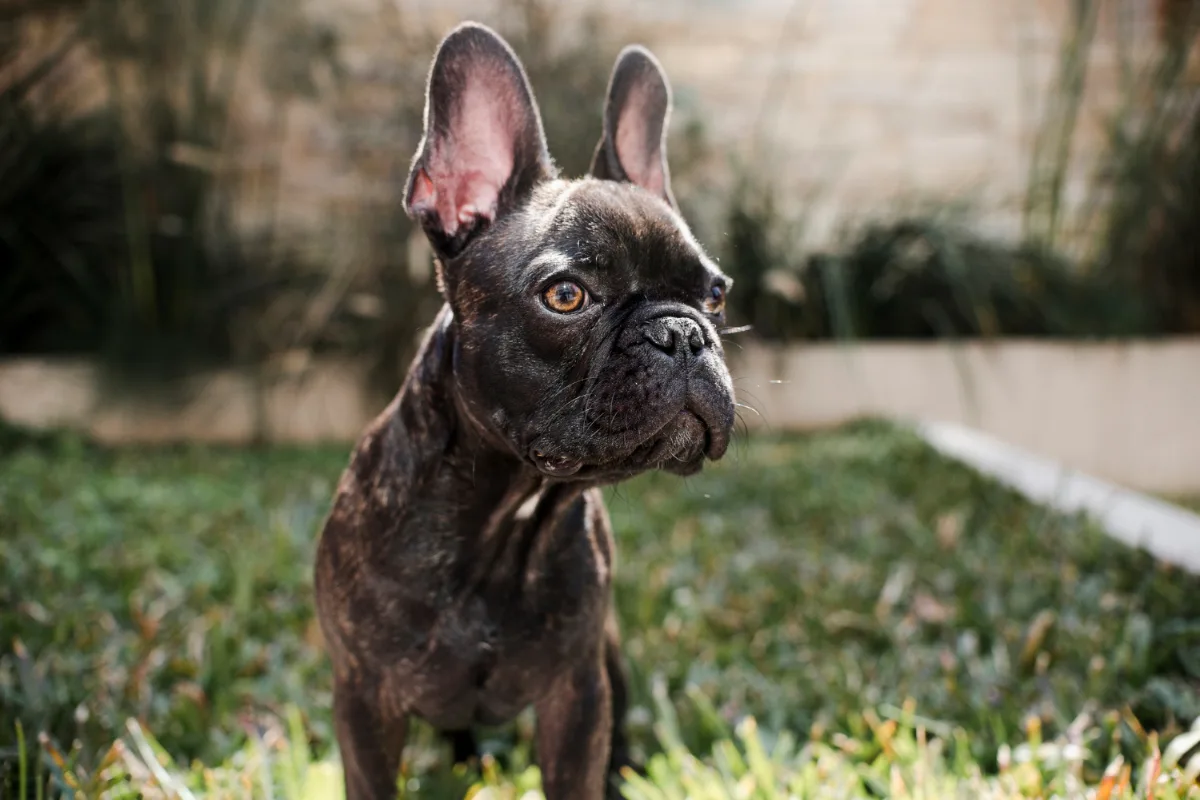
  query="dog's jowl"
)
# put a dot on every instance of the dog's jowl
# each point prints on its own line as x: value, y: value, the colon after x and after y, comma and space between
x: 465, y: 570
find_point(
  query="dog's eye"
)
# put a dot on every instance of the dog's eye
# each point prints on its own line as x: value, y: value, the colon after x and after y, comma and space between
x: 715, y: 302
x: 564, y: 297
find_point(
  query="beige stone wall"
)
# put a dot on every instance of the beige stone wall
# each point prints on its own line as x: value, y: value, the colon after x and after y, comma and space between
x: 855, y: 107
x: 875, y: 104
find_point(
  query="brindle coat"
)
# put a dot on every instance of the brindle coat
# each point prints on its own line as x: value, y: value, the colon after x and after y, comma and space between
x: 465, y: 570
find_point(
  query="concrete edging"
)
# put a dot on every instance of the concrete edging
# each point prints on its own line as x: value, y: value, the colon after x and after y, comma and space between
x: 328, y: 401
x: 1128, y: 412
x: 1170, y: 533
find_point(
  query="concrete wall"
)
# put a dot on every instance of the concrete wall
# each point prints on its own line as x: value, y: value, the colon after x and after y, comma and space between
x: 1124, y: 412
x: 329, y: 402
x: 863, y: 107
x: 855, y: 107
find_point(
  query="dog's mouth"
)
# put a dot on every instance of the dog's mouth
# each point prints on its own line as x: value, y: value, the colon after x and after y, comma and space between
x: 680, y: 445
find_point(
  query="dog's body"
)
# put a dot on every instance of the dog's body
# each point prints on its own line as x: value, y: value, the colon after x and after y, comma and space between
x: 465, y: 570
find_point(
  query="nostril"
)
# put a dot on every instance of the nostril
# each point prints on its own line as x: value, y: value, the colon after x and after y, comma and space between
x: 662, y: 335
x: 669, y: 333
x: 690, y: 330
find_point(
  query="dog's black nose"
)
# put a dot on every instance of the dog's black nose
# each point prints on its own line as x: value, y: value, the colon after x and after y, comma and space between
x: 675, y: 336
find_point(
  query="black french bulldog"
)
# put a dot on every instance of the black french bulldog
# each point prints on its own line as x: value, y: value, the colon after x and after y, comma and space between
x: 465, y: 570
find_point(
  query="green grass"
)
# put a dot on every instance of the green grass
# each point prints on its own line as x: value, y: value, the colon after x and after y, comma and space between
x: 802, y: 591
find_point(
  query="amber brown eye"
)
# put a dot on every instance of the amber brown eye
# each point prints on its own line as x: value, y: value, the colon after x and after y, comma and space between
x: 564, y: 297
x: 715, y: 302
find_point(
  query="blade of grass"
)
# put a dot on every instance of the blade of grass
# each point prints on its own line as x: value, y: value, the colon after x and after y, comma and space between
x: 145, y: 749
x: 22, y: 762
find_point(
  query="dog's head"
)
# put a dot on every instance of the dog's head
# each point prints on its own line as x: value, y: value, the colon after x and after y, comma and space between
x: 587, y: 314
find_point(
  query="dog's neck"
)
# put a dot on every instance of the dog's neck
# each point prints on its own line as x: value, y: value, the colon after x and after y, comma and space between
x: 450, y: 457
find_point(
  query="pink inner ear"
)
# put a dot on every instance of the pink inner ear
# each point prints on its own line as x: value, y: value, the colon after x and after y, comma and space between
x: 471, y: 161
x: 638, y: 151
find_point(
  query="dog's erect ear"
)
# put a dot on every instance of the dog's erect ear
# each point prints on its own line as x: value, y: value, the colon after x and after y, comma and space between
x: 633, y: 146
x: 483, y: 149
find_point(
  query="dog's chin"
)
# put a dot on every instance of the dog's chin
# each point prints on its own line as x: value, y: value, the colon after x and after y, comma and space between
x: 679, y: 447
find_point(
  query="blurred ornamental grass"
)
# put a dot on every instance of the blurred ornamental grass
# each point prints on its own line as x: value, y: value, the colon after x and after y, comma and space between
x: 929, y: 275
x: 119, y: 234
x: 117, y: 239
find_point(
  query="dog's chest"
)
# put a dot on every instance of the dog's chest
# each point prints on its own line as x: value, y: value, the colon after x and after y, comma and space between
x: 503, y: 639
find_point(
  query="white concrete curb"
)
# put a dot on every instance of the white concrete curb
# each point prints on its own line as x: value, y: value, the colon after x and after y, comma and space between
x: 1170, y: 533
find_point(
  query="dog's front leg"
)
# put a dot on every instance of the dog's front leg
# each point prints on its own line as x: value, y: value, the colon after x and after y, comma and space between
x: 574, y: 733
x: 370, y: 741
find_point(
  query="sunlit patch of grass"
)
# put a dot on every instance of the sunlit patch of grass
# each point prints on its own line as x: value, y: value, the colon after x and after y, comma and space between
x: 898, y: 755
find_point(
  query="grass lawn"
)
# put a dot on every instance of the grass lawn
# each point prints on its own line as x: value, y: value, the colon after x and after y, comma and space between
x: 844, y: 614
